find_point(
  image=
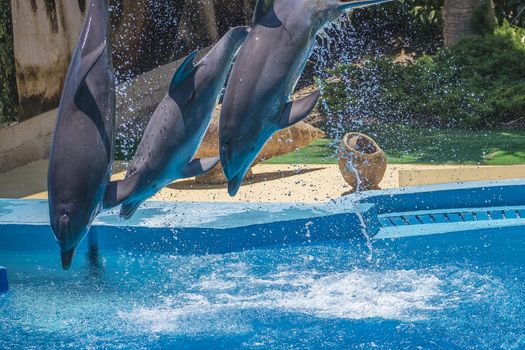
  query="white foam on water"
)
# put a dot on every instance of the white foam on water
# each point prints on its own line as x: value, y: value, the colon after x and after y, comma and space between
x: 404, y: 295
x: 400, y: 295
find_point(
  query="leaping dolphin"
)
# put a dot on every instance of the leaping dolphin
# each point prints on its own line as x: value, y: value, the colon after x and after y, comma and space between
x: 177, y: 127
x: 257, y: 99
x: 83, y: 144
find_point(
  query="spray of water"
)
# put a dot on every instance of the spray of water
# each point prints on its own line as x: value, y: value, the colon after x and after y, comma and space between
x: 335, y: 45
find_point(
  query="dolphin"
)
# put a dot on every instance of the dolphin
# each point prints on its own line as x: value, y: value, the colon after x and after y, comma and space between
x: 177, y: 127
x: 257, y: 102
x: 83, y: 144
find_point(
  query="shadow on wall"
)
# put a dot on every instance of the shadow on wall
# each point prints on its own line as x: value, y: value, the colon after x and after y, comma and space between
x: 146, y: 34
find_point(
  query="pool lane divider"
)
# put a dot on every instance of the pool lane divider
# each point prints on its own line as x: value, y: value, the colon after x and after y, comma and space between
x: 4, y: 285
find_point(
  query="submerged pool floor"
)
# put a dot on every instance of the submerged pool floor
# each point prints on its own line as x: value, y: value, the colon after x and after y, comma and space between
x: 451, y: 291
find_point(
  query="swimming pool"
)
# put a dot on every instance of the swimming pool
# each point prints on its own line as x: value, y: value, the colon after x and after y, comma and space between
x: 456, y: 284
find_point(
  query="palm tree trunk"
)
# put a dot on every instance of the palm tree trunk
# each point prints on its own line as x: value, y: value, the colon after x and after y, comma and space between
x: 459, y: 16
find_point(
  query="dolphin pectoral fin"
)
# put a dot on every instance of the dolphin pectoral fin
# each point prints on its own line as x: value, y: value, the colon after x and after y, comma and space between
x: 118, y: 191
x: 87, y: 62
x: 350, y: 5
x: 186, y: 69
x: 261, y: 7
x: 296, y: 111
x: 200, y: 166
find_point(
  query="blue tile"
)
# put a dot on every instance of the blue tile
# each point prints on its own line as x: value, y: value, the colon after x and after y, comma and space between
x: 482, y: 215
x: 496, y: 215
x: 426, y: 219
x: 440, y: 218
x: 398, y: 221
x: 412, y: 220
x: 454, y: 217
x: 385, y: 222
x: 468, y: 216
x: 511, y: 214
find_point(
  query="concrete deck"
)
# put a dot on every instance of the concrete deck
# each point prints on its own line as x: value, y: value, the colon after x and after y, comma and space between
x: 274, y: 183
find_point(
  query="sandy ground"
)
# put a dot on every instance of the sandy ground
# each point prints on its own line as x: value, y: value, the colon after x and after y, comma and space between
x: 271, y: 183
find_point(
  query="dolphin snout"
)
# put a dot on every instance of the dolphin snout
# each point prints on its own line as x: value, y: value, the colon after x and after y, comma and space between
x: 66, y: 240
x: 347, y: 5
x: 231, y: 165
x: 67, y: 258
x: 234, y: 184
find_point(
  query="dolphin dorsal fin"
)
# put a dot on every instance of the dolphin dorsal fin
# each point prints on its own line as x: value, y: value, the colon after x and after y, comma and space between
x: 186, y: 69
x: 118, y: 191
x: 86, y: 64
x: 199, y: 166
x: 296, y: 111
x: 261, y: 8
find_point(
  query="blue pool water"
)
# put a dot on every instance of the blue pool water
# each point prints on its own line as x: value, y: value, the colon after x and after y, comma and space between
x: 449, y: 291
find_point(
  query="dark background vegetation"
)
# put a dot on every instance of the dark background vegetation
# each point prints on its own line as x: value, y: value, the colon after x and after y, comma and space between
x: 479, y: 82
x: 410, y: 26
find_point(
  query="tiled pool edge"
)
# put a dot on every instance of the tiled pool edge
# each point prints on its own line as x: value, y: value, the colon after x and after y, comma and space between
x: 196, y: 228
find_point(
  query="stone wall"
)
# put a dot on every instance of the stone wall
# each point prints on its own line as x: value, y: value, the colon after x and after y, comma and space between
x: 45, y: 34
x: 146, y: 35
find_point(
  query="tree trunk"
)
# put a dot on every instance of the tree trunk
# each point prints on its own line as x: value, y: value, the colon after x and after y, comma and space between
x: 459, y: 16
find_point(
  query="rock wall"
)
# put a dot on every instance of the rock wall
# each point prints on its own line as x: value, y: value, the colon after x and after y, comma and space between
x: 146, y: 35
x: 45, y: 34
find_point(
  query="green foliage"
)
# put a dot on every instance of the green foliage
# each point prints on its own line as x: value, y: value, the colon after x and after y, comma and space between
x: 8, y: 94
x: 428, y: 13
x: 415, y: 145
x: 483, y: 21
x: 412, y: 25
x: 478, y: 82
x: 509, y: 10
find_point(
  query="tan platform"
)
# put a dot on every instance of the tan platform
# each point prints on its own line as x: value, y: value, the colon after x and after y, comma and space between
x: 274, y: 183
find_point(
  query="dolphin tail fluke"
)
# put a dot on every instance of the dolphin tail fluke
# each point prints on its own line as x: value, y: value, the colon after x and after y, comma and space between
x: 118, y: 191
x: 296, y: 111
x: 186, y: 69
x: 200, y: 166
x: 350, y: 5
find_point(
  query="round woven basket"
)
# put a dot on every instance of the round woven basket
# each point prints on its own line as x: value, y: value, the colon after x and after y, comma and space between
x: 361, y: 161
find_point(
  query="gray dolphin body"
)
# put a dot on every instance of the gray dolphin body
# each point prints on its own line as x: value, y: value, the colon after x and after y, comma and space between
x: 83, y: 145
x: 257, y: 99
x: 177, y: 127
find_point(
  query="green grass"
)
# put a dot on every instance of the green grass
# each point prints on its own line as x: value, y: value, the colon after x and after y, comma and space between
x: 408, y: 145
